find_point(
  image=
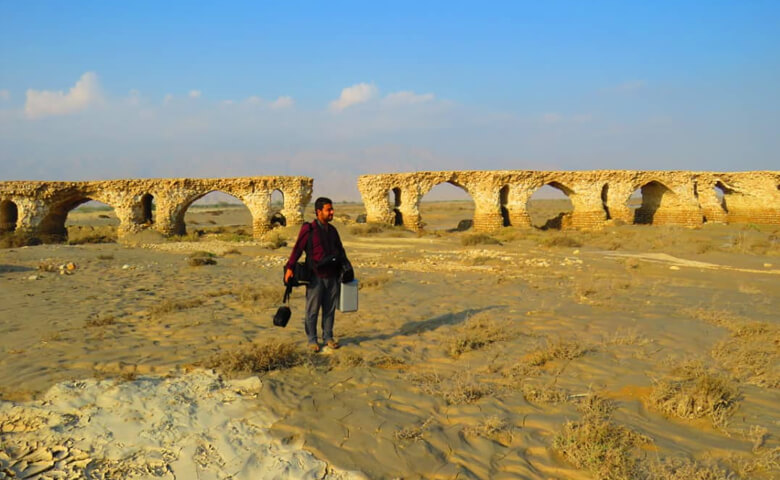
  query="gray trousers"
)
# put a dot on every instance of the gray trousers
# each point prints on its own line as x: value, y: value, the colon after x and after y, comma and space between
x: 321, y: 293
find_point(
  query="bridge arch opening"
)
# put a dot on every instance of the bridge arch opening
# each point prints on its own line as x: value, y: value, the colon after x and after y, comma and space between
x: 277, y: 207
x: 646, y: 201
x: 721, y: 193
x: 447, y: 206
x: 217, y: 214
x: 549, y: 206
x: 148, y: 208
x: 394, y: 199
x: 504, y: 199
x: 78, y: 220
x: 604, y: 200
x: 9, y: 216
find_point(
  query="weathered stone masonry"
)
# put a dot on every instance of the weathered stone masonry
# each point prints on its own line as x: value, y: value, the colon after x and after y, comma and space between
x: 598, y: 196
x: 42, y: 207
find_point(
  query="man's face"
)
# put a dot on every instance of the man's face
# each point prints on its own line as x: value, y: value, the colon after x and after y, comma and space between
x: 326, y: 214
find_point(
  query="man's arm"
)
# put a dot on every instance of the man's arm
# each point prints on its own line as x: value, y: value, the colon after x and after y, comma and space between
x: 300, y: 245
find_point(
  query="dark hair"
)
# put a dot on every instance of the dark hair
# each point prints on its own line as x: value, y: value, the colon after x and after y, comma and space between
x: 320, y: 203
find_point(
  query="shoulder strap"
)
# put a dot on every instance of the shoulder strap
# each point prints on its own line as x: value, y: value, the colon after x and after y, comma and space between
x: 287, y: 292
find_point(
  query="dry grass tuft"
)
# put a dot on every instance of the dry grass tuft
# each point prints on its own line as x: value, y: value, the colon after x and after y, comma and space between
x: 478, y: 239
x: 273, y: 240
x: 348, y: 359
x: 387, y: 361
x: 558, y: 350
x: 596, y: 444
x: 256, y: 358
x: 412, y: 432
x: 693, y: 391
x: 261, y: 298
x: 100, y: 320
x: 685, y: 469
x: 375, y: 281
x: 170, y: 306
x: 200, y: 258
x: 752, y: 352
x: 360, y: 229
x: 494, y: 428
x: 549, y: 393
x: 560, y: 241
x: 105, y: 257
x: 477, y: 332
x: 461, y: 388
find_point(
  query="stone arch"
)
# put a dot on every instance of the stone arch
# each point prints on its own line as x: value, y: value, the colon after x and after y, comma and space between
x: 560, y: 217
x: 52, y: 227
x: 9, y: 216
x: 605, y: 200
x: 464, y: 223
x: 394, y: 199
x: 503, y: 198
x: 178, y: 220
x: 147, y: 209
x: 722, y: 193
x: 653, y: 195
x: 278, y: 217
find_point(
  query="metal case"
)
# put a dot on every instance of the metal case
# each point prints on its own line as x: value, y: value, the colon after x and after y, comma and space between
x: 348, y: 298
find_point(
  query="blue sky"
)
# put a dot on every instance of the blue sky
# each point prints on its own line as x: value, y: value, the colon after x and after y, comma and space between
x: 333, y: 90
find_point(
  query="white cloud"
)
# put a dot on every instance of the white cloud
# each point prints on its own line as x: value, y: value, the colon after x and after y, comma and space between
x: 85, y: 93
x: 194, y: 94
x: 282, y: 102
x: 406, y: 98
x: 253, y: 100
x: 5, y: 94
x: 358, y: 93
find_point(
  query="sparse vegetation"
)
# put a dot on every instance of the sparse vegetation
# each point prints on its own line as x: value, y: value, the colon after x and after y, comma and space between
x: 256, y: 358
x: 493, y: 427
x: 360, y: 229
x: 693, y: 391
x: 476, y: 333
x: 472, y: 239
x: 170, y: 306
x: 200, y: 258
x: 597, y: 444
x: 560, y: 241
x: 375, y: 281
x: 100, y: 320
x: 412, y: 432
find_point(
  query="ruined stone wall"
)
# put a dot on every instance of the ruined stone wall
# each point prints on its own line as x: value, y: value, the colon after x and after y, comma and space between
x: 598, y: 196
x: 42, y: 207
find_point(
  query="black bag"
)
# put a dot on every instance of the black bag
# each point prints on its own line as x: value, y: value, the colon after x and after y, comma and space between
x: 283, y: 313
x: 347, y: 272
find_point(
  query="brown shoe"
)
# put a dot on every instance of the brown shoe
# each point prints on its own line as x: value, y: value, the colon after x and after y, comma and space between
x: 314, y: 347
x: 333, y: 344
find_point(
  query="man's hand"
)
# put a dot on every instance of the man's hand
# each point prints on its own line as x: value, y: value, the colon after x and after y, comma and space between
x: 288, y: 275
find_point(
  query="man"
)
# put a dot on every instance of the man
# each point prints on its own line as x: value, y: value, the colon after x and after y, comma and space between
x: 325, y: 259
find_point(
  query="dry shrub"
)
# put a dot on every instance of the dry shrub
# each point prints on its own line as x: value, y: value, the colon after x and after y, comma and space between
x: 273, y: 240
x: 193, y: 236
x: 596, y: 444
x: 387, y: 361
x: 561, y: 241
x: 548, y: 393
x: 375, y: 281
x: 692, y: 391
x: 478, y: 239
x: 763, y: 461
x: 232, y: 251
x: 477, y: 332
x: 360, y: 229
x: 752, y: 352
x: 199, y: 262
x: 48, y: 266
x: 169, y: 306
x: 256, y: 358
x: 100, y: 320
x: 261, y: 297
x: 105, y: 257
x: 18, y: 239
x: 412, y: 432
x: 685, y: 469
x: 558, y: 350
x: 460, y: 388
x: 199, y: 258
x: 494, y: 428
x: 348, y: 359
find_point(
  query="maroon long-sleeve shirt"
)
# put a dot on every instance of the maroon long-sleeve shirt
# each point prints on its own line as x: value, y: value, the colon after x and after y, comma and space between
x: 325, y: 241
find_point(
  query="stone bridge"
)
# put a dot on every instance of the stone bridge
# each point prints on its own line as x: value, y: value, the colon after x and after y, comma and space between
x: 597, y: 197
x: 41, y: 208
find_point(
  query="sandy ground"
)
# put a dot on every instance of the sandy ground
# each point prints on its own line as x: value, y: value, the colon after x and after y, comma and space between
x: 465, y: 359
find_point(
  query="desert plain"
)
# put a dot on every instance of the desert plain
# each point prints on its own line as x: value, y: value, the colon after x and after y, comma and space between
x: 632, y: 351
